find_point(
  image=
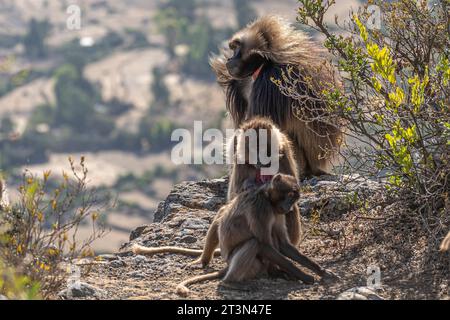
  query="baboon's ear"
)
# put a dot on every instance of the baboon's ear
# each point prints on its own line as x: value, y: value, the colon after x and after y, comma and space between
x: 277, y: 178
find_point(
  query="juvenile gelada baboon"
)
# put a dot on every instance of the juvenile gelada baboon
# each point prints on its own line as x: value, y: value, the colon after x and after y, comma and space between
x: 244, y: 176
x: 253, y: 237
x: 260, y: 53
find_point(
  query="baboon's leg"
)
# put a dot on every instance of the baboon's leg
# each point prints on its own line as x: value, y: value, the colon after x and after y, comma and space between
x: 277, y: 258
x: 294, y: 227
x: 291, y: 252
x: 302, y: 162
x: 211, y: 243
x: 275, y: 272
x: 244, y: 263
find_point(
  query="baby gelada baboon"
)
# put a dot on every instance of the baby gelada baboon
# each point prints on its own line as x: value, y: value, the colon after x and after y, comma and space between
x: 253, y: 237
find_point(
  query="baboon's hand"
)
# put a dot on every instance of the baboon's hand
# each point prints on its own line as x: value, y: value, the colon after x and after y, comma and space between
x: 329, y: 277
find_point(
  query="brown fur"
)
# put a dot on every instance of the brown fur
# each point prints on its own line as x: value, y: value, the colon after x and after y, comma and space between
x: 242, y: 174
x: 253, y: 236
x: 279, y: 46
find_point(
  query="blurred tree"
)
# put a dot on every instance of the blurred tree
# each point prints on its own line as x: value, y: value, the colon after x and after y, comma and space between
x: 178, y: 22
x: 172, y: 25
x: 75, y: 98
x: 34, y: 40
x: 200, y: 40
x: 156, y: 132
x: 184, y: 8
x: 245, y: 12
x: 6, y: 125
x: 42, y: 114
x: 160, y: 92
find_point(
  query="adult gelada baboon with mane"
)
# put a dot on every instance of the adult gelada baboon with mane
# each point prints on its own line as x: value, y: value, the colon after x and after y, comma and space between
x: 259, y: 54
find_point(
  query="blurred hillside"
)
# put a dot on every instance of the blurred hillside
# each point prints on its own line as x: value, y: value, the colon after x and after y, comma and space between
x: 113, y: 91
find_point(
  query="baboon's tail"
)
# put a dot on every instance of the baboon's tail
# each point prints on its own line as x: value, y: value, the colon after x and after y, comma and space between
x: 445, y: 245
x: 182, y: 288
x: 138, y: 249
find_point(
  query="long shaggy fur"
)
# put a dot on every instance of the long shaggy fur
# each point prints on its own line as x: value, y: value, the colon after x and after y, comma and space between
x: 284, y: 47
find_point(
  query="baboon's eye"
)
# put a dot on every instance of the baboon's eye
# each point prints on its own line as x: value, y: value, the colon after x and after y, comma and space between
x: 234, y: 44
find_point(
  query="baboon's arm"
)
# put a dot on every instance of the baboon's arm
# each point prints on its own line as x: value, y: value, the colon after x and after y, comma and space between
x: 268, y: 252
x: 292, y: 252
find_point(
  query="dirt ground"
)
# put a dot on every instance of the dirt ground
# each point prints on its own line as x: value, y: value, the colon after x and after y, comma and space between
x: 347, y: 243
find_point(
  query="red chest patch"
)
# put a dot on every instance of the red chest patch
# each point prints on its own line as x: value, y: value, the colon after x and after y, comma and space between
x: 261, y: 179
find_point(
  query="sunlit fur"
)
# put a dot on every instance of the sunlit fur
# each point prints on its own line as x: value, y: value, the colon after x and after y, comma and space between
x: 241, y: 174
x: 251, y: 225
x: 280, y: 45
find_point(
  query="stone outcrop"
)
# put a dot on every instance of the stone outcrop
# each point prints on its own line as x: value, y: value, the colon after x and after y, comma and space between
x: 343, y: 233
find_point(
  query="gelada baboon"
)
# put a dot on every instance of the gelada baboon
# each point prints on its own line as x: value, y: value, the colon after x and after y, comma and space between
x: 253, y: 236
x: 261, y: 52
x: 246, y: 174
x: 445, y: 245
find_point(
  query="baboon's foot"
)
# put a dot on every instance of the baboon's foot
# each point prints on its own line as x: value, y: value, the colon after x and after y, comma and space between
x: 329, y: 277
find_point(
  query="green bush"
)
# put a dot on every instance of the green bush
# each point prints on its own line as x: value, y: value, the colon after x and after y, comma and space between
x: 156, y: 132
x: 395, y: 103
x: 39, y: 234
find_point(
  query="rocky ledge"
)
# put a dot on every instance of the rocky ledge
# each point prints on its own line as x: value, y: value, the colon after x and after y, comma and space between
x: 344, y: 238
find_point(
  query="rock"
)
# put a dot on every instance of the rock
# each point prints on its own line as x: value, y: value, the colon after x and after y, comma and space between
x: 108, y: 257
x: 208, y: 194
x: 360, y: 293
x: 190, y: 207
x: 195, y: 224
x: 3, y: 298
x: 137, y: 274
x: 117, y: 264
x: 82, y: 290
x: 332, y: 195
x: 339, y: 238
x: 137, y: 232
x: 140, y: 259
x: 188, y: 239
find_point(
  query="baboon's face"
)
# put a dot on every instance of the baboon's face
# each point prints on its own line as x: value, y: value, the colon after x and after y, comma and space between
x: 285, y: 193
x: 245, y: 60
x: 254, y: 147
